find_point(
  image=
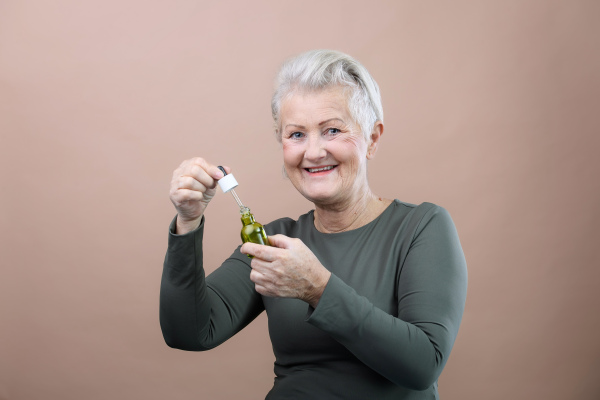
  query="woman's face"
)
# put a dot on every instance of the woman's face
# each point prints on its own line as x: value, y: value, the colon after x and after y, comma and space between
x: 324, y: 151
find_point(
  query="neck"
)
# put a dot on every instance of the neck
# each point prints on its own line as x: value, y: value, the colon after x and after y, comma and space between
x: 351, y: 215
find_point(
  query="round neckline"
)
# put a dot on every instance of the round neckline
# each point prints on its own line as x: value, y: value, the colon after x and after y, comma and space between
x: 385, y: 211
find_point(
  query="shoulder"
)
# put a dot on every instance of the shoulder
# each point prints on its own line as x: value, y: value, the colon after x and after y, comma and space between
x: 419, y: 211
x: 430, y: 220
x: 418, y: 208
x: 429, y: 211
x: 416, y: 218
x: 416, y: 211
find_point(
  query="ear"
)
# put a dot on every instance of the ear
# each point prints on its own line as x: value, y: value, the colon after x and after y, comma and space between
x: 374, y: 139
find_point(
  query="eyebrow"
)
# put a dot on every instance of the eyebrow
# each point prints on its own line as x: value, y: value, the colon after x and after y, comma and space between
x: 320, y: 123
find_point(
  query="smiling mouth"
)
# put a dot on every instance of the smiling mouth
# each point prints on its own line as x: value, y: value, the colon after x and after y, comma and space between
x: 319, y: 169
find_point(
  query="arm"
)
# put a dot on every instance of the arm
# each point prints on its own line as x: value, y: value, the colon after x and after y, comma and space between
x: 409, y: 349
x: 198, y: 313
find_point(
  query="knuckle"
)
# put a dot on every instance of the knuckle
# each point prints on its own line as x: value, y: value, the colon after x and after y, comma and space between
x: 195, y: 170
x: 183, y: 195
x: 254, y: 249
x: 187, y: 195
x: 186, y: 182
x: 202, y: 163
x: 258, y: 252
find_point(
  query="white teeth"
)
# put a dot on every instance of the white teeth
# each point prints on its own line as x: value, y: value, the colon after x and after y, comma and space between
x: 320, y: 169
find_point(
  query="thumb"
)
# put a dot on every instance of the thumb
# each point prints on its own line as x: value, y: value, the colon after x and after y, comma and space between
x: 281, y: 241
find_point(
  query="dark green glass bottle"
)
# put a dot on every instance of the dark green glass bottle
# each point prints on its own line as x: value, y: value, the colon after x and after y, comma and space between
x: 252, y: 231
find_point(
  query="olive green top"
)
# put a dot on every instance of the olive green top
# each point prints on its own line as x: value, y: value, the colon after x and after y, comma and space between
x: 383, y: 328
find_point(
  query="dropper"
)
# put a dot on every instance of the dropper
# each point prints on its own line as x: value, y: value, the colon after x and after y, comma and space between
x: 227, y: 183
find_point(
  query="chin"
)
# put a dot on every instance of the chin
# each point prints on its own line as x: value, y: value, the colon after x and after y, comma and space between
x: 320, y: 197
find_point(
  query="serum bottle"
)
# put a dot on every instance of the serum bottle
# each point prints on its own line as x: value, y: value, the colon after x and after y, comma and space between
x: 252, y: 231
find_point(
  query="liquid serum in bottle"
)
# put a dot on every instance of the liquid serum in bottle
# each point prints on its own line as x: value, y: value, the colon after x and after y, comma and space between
x: 252, y: 231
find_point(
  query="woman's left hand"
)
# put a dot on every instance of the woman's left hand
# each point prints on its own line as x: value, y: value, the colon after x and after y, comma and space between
x: 287, y: 268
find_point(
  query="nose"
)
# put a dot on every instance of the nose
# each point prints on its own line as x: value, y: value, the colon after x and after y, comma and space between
x: 315, y: 148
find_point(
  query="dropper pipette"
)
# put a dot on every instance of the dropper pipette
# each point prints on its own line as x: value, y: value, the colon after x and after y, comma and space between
x: 228, y: 187
x: 237, y: 199
x: 252, y: 231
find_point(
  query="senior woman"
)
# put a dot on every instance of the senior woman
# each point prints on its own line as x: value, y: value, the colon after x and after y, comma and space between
x: 364, y: 295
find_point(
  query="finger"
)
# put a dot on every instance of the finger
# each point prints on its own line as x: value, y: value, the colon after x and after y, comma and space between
x: 263, y: 290
x: 281, y: 241
x: 262, y: 284
x: 183, y: 195
x: 212, y: 170
x: 250, y: 249
x: 227, y: 169
x: 185, y: 183
x: 262, y: 266
x: 256, y: 276
x: 190, y: 183
x: 198, y: 171
x: 266, y: 253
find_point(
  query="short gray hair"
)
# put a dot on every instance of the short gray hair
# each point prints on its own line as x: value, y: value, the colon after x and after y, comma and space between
x: 317, y: 70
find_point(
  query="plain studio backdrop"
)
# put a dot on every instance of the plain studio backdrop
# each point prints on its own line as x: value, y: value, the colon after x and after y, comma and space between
x: 491, y: 110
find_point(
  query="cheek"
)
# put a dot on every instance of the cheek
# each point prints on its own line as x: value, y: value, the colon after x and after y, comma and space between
x: 350, y: 149
x: 291, y: 154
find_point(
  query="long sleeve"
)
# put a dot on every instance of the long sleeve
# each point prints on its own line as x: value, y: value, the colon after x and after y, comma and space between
x: 197, y: 312
x: 412, y: 347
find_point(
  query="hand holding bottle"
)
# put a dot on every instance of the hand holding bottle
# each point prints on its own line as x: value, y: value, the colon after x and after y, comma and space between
x: 192, y: 187
x: 287, y: 269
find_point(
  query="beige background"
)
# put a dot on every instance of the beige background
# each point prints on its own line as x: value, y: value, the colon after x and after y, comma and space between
x: 491, y: 110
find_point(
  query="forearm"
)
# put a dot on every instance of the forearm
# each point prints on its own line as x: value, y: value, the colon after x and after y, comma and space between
x: 397, y: 350
x: 184, y: 306
x: 198, y: 313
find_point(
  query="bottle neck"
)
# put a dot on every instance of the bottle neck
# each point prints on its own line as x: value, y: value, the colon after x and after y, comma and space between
x: 247, y: 218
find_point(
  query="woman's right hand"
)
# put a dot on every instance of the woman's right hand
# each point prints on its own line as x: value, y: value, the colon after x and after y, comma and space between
x: 193, y: 185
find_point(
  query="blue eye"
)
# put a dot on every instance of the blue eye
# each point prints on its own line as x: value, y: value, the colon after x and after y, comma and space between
x: 297, y: 135
x: 333, y: 131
